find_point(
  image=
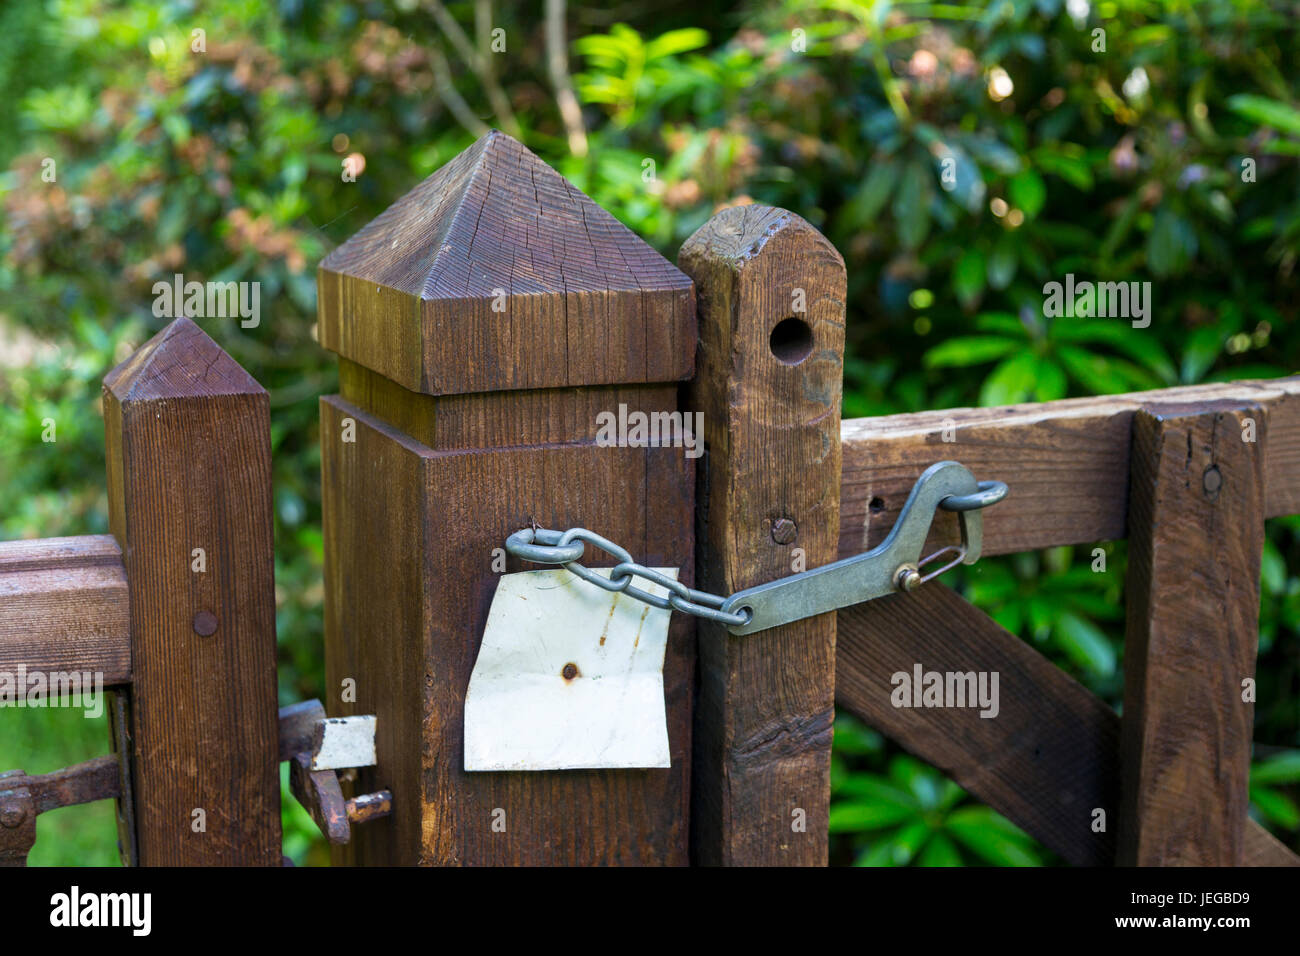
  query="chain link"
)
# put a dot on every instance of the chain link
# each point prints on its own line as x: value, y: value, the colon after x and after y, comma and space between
x: 565, y: 548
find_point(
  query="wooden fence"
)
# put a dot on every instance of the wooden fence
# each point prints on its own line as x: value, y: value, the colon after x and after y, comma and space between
x: 481, y: 325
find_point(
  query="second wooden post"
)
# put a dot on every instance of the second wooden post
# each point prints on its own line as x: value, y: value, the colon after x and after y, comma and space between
x: 771, y: 295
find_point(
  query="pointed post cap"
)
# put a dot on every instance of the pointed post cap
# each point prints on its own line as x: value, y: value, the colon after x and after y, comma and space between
x: 180, y: 361
x: 497, y: 273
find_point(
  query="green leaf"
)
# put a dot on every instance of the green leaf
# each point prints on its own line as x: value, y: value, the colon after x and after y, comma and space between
x: 1272, y: 574
x: 991, y: 844
x: 676, y: 41
x: 1102, y: 375
x: 1003, y: 322
x: 965, y: 184
x: 1276, y: 807
x: 1074, y: 169
x: 861, y: 211
x: 1041, y: 615
x: 1010, y: 617
x: 911, y: 206
x: 968, y: 277
x: 853, y: 737
x: 1138, y: 344
x: 1261, y: 109
x: 852, y: 817
x: 872, y: 788
x: 1012, y: 381
x: 921, y: 782
x: 878, y: 853
x: 986, y: 818
x: 1204, y: 345
x: 940, y: 851
x: 904, y: 845
x: 1051, y: 383
x: 1085, y: 644
x: 1028, y: 192
x: 1282, y: 768
x: 1171, y: 244
x: 1002, y: 263
x: 967, y: 350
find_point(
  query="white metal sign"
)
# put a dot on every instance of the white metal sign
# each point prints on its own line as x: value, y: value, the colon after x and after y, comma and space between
x: 569, y: 676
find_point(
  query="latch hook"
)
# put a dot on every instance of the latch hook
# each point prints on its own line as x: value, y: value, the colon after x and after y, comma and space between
x: 893, y: 565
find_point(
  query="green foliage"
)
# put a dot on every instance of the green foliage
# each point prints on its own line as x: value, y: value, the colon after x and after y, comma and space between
x: 904, y: 812
x: 959, y: 156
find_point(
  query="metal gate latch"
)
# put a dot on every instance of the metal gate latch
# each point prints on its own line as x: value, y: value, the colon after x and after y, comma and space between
x: 317, y: 747
x: 894, y: 565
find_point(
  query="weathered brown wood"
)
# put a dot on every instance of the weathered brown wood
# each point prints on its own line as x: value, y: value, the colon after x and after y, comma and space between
x: 770, y: 486
x: 189, y: 466
x: 1067, y: 464
x: 1196, y: 534
x: 410, y: 534
x: 496, y: 273
x: 458, y: 425
x: 64, y: 607
x: 1050, y: 757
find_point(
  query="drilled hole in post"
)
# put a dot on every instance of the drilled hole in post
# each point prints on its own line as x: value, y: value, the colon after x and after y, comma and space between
x: 876, y: 505
x: 791, y: 341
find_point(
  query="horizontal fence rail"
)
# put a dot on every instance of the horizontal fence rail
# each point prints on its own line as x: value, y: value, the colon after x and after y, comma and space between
x: 64, y: 607
x: 1067, y: 462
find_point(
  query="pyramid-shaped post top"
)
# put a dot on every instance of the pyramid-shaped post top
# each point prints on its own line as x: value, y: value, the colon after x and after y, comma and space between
x: 497, y: 273
x: 181, y: 361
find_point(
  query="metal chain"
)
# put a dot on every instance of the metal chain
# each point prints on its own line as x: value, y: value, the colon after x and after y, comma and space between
x: 543, y: 546
x: 566, y: 548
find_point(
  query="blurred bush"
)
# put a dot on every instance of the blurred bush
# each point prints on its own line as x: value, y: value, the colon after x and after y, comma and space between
x: 959, y: 156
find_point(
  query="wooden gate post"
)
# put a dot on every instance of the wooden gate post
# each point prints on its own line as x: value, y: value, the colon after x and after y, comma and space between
x: 188, y: 437
x: 771, y: 301
x: 482, y: 323
x: 1196, y: 534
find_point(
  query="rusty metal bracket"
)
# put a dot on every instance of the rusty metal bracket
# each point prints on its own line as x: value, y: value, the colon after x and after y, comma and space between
x: 302, y: 732
x: 22, y: 797
x: 17, y: 819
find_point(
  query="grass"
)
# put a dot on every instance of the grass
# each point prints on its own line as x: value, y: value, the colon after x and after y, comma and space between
x: 39, y: 741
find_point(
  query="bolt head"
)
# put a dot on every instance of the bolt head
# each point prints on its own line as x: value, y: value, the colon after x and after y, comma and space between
x: 907, y: 578
x: 11, y: 815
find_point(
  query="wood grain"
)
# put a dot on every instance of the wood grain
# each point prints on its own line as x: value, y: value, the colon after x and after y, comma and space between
x: 483, y: 322
x: 1067, y: 463
x: 189, y: 466
x: 1196, y: 534
x: 64, y: 607
x: 407, y: 627
x: 1048, y: 759
x: 766, y: 706
x: 495, y: 273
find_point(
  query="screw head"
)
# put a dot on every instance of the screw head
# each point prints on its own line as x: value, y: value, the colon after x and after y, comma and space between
x: 12, y: 814
x: 907, y: 578
x: 1212, y: 480
x: 205, y: 623
x: 570, y: 671
x: 784, y: 530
